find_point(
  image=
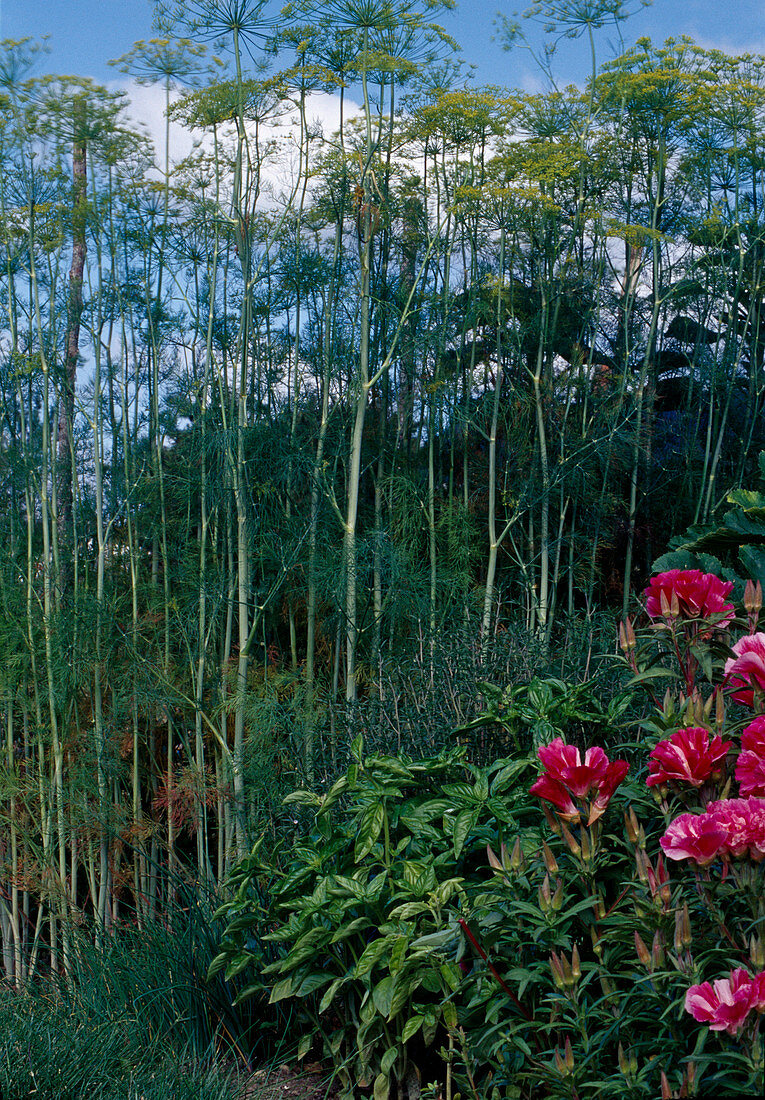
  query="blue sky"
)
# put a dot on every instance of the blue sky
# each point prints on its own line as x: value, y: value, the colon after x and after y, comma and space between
x: 84, y: 34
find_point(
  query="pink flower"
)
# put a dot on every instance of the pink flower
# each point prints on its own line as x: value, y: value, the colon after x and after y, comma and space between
x: 689, y: 756
x: 730, y: 827
x: 694, y: 836
x: 750, y: 766
x: 746, y: 671
x: 744, y: 822
x: 689, y: 594
x: 567, y: 777
x: 725, y: 1005
x: 758, y: 992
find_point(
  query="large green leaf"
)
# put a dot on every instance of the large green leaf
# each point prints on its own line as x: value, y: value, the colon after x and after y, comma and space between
x: 370, y: 826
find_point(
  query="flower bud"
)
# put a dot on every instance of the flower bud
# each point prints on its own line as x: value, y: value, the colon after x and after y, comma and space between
x: 552, y: 820
x: 586, y: 846
x: 571, y: 843
x: 568, y: 1055
x: 631, y: 826
x: 678, y: 940
x: 597, y: 946
x: 576, y: 966
x: 657, y: 952
x: 642, y: 951
x: 568, y: 974
x: 719, y: 710
x: 753, y: 603
x: 557, y: 971
x: 557, y: 898
x: 550, y: 861
x: 624, y: 1065
x: 516, y: 856
x: 626, y: 636
x: 640, y: 862
x: 544, y: 895
x: 686, y: 933
x: 666, y: 1091
x: 757, y: 952
x: 665, y: 888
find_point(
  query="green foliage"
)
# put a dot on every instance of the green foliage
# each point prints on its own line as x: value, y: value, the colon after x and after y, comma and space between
x: 136, y: 1021
x: 368, y: 911
x: 560, y: 967
x: 534, y: 713
x: 732, y: 547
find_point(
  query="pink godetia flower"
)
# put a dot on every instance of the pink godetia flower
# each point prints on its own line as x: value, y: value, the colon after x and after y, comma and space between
x: 689, y: 594
x: 725, y: 1004
x: 750, y: 766
x: 746, y: 671
x: 567, y: 777
x: 690, y: 756
x: 729, y: 827
x: 758, y: 992
x: 694, y: 836
x: 744, y: 822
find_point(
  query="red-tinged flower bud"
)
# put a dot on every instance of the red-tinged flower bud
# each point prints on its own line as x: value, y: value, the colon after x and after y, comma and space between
x: 586, y: 845
x: 690, y: 1076
x: 493, y: 861
x: 719, y: 710
x: 665, y: 887
x: 627, y: 640
x: 544, y: 895
x: 657, y: 952
x: 516, y: 856
x: 560, y: 1065
x: 552, y: 820
x: 550, y: 861
x: 624, y: 1066
x: 631, y: 826
x: 653, y: 885
x: 557, y: 898
x: 666, y: 1091
x: 686, y: 932
x: 606, y: 985
x: 643, y: 953
x: 640, y: 861
x: 576, y: 966
x: 568, y: 974
x: 753, y: 604
x: 557, y: 971
x: 568, y: 1055
x: 757, y: 952
x: 571, y: 843
x: 678, y: 938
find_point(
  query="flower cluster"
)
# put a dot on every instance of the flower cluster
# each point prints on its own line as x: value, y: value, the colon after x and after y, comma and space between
x: 689, y: 594
x: 750, y: 766
x: 746, y: 671
x: 567, y: 777
x: 726, y: 1004
x: 730, y: 827
x: 689, y: 756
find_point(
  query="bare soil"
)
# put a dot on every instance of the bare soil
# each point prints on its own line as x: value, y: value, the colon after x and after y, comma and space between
x: 311, y: 1082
